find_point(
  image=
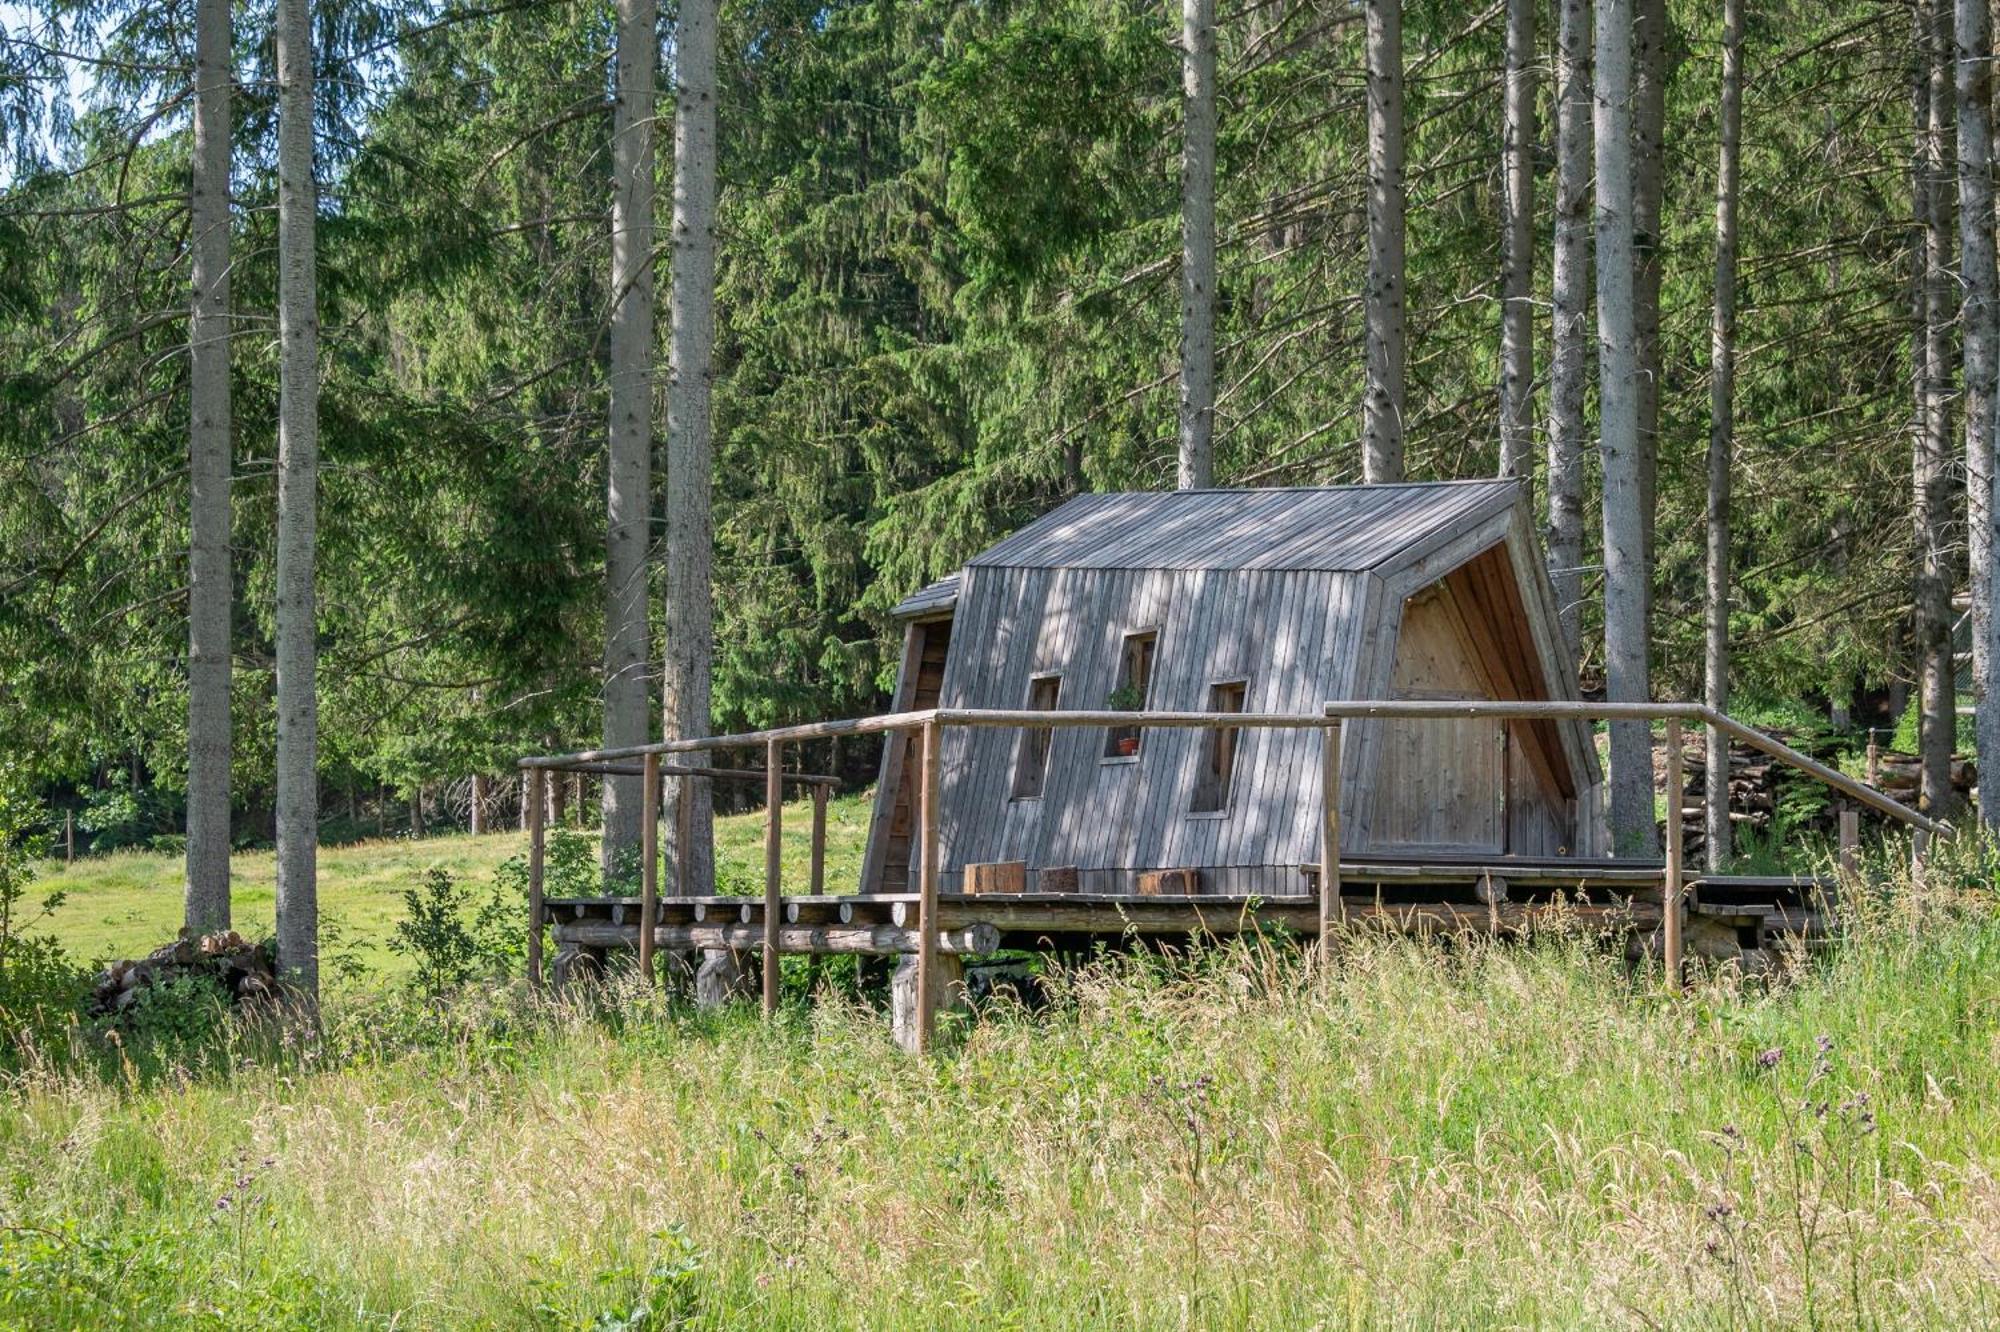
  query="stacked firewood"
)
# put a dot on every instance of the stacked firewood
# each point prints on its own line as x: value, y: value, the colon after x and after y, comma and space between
x: 247, y: 972
x: 1899, y: 775
x: 1753, y: 794
x: 1754, y: 789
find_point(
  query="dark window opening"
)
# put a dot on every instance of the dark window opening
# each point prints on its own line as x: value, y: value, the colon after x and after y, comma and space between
x: 1218, y: 764
x: 1135, y: 683
x: 1031, y: 753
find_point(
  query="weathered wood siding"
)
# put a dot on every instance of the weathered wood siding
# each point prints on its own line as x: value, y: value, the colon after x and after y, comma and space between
x: 1292, y: 637
x: 1300, y: 595
x: 1475, y: 785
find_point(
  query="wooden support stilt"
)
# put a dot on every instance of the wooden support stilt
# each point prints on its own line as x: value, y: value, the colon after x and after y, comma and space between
x: 819, y: 840
x: 649, y: 861
x: 1671, y: 880
x: 1329, y: 838
x: 774, y: 816
x: 536, y: 778
x: 1874, y: 758
x: 684, y: 838
x: 69, y: 837
x: 1850, y: 846
x: 927, y: 894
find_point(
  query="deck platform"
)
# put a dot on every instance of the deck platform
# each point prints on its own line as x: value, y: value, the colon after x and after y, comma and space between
x: 1438, y: 896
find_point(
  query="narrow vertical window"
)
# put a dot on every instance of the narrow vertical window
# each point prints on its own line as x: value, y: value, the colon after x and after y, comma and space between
x: 1031, y: 754
x: 1218, y: 762
x: 1135, y: 685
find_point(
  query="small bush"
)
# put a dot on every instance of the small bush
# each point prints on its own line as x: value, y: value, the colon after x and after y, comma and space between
x: 39, y: 984
x: 180, y: 1013
x: 433, y: 933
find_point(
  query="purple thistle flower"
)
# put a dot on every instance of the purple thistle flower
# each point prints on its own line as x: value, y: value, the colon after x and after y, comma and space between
x: 1769, y: 1058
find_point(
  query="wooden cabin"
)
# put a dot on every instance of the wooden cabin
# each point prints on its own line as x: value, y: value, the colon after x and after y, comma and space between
x: 1233, y: 601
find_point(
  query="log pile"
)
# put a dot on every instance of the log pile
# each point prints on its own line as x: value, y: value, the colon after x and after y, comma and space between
x: 247, y: 972
x: 1753, y: 794
x: 1754, y: 789
x: 1901, y: 775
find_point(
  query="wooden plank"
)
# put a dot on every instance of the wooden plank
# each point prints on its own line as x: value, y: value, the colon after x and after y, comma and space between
x: 1183, y: 882
x: 927, y: 914
x: 649, y: 862
x: 1329, y: 837
x: 1671, y: 882
x: 537, y: 804
x: 774, y: 825
x: 1005, y: 876
x: 974, y: 937
x: 818, y: 840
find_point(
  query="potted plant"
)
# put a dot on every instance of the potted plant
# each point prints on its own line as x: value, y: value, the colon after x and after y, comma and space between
x: 1127, y: 697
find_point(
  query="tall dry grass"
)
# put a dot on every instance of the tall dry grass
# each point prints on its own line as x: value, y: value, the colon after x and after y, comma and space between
x: 1418, y: 1135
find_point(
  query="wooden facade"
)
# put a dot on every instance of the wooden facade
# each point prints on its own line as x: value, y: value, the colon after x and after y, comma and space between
x: 1276, y: 601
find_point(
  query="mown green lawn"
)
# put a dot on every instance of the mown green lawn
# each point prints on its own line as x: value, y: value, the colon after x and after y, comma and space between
x: 129, y: 902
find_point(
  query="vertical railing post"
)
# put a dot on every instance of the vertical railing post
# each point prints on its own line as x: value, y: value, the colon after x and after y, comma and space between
x: 684, y: 835
x: 774, y: 804
x: 1671, y: 879
x: 649, y: 862
x: 1330, y: 908
x: 819, y: 839
x: 927, y: 894
x: 1850, y: 846
x: 1874, y: 758
x: 536, y: 812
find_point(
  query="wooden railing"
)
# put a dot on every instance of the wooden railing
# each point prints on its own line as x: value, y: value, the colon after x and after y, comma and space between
x: 929, y: 725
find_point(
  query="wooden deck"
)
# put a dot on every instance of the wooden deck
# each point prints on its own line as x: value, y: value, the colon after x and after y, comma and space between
x: 1444, y: 896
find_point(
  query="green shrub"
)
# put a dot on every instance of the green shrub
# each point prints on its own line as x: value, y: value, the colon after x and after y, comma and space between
x: 182, y: 1013
x: 39, y: 985
x: 434, y: 935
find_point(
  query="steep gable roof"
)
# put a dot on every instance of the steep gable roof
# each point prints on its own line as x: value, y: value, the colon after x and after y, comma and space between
x: 1324, y: 529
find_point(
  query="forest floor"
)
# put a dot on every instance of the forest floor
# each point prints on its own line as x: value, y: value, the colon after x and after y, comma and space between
x: 126, y: 903
x: 1419, y: 1136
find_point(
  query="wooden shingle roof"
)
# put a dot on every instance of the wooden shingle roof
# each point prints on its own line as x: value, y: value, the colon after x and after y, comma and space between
x: 1327, y: 529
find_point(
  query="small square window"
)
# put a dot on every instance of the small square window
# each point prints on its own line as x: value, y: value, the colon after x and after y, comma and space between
x: 1218, y: 762
x: 1135, y: 686
x: 1031, y: 752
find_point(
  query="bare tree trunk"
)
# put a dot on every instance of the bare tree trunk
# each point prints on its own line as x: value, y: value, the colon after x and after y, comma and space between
x: 690, y: 467
x: 210, y: 592
x: 1980, y: 323
x: 1517, y: 243
x: 1382, y: 401
x: 1722, y: 435
x: 1570, y: 292
x: 1937, y: 720
x: 1649, y: 116
x: 629, y: 503
x: 1625, y: 647
x: 1197, y: 462
x: 298, y: 484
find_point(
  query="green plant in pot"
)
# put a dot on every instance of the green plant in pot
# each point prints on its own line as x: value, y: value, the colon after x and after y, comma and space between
x: 1127, y: 697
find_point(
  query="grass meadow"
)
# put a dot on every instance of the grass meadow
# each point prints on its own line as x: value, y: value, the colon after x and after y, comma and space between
x: 1417, y: 1135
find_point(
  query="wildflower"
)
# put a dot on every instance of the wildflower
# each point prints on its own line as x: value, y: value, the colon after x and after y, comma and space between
x: 1769, y: 1058
x: 1825, y: 1044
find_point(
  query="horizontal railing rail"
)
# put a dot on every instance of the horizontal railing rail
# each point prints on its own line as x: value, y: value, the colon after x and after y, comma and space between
x: 929, y: 723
